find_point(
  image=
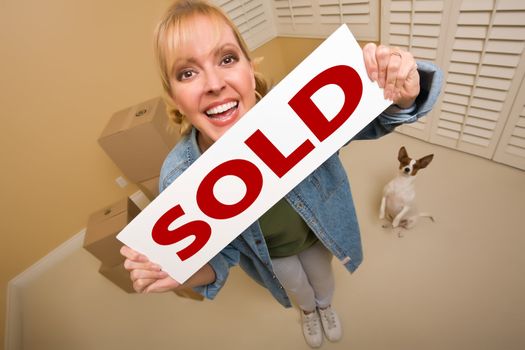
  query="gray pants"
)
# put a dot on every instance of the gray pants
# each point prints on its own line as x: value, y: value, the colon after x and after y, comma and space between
x: 307, y: 277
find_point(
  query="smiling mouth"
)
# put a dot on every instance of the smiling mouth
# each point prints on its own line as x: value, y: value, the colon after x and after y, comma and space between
x: 222, y: 111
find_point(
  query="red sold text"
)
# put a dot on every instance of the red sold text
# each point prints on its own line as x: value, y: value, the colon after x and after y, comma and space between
x: 343, y: 76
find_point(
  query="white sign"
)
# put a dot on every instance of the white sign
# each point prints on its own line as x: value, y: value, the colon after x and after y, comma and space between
x: 300, y: 123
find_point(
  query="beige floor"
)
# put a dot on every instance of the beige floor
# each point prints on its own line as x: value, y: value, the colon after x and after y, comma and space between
x: 458, y: 283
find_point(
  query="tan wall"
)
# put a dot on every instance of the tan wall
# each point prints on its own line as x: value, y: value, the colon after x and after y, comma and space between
x: 283, y: 54
x: 66, y: 67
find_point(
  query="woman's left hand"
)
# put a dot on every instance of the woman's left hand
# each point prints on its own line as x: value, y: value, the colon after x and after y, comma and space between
x: 395, y: 71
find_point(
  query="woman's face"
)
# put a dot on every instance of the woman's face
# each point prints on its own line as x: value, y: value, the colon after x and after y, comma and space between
x: 212, y: 82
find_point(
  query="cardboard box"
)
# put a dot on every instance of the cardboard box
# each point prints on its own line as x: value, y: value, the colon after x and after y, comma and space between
x: 118, y: 275
x: 139, y: 138
x: 150, y: 187
x: 102, y: 228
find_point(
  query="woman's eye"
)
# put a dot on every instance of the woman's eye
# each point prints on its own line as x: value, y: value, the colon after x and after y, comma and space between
x: 185, y: 74
x: 229, y: 59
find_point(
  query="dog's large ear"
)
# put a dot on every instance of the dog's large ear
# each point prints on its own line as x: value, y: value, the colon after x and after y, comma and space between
x: 423, y: 162
x: 402, y: 155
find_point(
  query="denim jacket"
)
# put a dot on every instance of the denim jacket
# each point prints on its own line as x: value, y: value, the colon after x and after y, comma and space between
x: 323, y: 200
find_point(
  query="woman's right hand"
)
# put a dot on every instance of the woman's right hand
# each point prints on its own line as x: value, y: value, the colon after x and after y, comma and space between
x: 147, y: 277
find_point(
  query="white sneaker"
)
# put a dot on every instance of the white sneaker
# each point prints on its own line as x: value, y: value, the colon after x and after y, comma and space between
x: 312, y: 329
x: 331, y: 324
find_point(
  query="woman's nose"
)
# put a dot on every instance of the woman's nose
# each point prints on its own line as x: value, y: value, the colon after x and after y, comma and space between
x: 214, y: 81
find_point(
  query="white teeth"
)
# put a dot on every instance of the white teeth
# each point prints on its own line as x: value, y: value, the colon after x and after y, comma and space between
x: 222, y: 108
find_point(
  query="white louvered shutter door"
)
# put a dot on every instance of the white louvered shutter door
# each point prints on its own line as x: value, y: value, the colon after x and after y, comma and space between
x: 483, y: 76
x: 319, y: 18
x: 295, y: 17
x: 253, y: 18
x: 511, y: 148
x: 361, y: 16
x: 419, y: 27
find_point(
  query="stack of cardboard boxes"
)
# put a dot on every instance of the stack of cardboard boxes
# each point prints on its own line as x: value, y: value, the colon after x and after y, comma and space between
x: 138, y: 140
x: 100, y: 240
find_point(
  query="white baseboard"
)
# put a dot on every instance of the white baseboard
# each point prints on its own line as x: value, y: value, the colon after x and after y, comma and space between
x: 13, y: 324
x: 14, y: 321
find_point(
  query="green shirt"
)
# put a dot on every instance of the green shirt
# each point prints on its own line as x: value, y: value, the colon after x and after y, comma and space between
x: 285, y: 232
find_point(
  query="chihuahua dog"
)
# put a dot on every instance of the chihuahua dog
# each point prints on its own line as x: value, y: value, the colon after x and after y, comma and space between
x: 398, y: 202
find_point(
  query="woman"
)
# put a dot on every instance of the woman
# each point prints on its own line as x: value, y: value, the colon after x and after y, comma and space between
x: 210, y: 83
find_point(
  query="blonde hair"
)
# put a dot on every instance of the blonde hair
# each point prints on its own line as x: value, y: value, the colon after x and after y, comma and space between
x: 173, y: 30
